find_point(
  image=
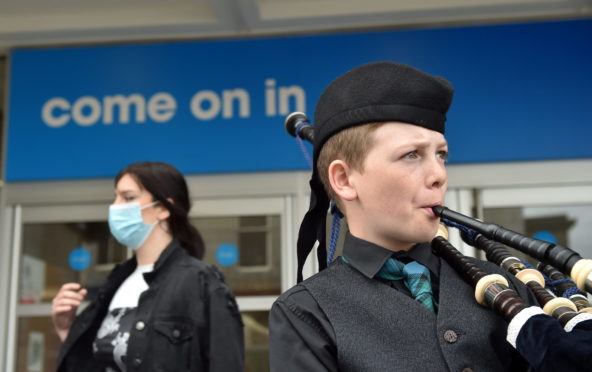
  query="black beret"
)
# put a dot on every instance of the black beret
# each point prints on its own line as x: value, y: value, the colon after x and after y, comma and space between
x: 379, y: 92
x: 373, y: 92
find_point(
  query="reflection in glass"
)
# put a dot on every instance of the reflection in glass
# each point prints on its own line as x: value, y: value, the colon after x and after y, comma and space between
x: 45, y: 260
x: 567, y: 225
x: 256, y: 341
x: 256, y: 269
x: 37, y: 345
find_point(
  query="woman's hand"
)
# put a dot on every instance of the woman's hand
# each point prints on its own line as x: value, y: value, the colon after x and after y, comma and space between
x: 64, y: 306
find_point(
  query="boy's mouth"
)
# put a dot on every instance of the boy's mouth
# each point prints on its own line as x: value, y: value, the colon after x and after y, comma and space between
x: 429, y: 210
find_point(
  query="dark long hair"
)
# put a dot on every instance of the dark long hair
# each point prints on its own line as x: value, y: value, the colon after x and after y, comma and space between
x: 164, y: 182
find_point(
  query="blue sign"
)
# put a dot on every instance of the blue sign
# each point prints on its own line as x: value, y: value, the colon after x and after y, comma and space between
x: 546, y: 236
x: 523, y: 92
x: 79, y: 259
x: 227, y: 254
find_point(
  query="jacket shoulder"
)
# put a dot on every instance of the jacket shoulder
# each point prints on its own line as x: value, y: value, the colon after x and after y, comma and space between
x: 193, y: 270
x: 320, y: 279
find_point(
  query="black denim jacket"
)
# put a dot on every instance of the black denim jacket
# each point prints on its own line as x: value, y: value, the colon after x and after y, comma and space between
x: 187, y: 320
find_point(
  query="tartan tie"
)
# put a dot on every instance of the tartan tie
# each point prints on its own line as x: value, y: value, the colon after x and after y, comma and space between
x: 416, y: 278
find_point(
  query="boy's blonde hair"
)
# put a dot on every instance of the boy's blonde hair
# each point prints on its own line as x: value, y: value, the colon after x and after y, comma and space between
x: 351, y: 145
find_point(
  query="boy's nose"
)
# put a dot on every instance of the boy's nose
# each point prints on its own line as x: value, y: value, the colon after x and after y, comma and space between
x: 437, y: 174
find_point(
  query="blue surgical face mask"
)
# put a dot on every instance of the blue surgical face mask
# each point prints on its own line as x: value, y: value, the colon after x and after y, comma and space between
x: 127, y: 225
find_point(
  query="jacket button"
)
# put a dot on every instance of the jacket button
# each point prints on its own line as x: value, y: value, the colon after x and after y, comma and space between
x: 450, y: 336
x: 137, y: 362
x: 468, y: 370
x: 140, y: 325
x: 176, y: 333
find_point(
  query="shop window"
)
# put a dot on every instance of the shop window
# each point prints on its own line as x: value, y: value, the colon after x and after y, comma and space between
x: 58, y: 253
x: 246, y: 250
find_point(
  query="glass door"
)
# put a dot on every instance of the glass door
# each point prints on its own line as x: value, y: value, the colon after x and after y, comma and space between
x: 245, y: 238
x: 561, y: 215
x: 249, y: 240
x: 54, y: 245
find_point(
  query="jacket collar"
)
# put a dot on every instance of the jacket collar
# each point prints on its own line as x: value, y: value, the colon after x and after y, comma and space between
x: 168, y: 255
x: 368, y: 258
x: 123, y: 270
x: 364, y: 256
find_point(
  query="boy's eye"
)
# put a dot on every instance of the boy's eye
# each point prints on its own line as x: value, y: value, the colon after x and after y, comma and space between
x: 412, y: 155
x: 443, y: 155
x: 129, y: 198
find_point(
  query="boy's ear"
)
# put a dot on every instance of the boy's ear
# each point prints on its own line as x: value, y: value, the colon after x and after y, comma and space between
x: 339, y: 176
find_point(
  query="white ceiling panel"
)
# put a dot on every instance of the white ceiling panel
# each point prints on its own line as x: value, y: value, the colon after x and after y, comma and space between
x: 60, y: 22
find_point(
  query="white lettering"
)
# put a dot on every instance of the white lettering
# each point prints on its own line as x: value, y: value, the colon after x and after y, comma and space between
x: 123, y: 103
x: 270, y: 109
x: 88, y: 110
x: 94, y: 108
x: 299, y: 96
x: 197, y: 108
x: 48, y: 109
x: 243, y: 100
x: 162, y: 107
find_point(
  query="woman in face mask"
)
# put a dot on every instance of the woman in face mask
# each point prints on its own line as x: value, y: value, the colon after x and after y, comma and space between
x: 163, y: 309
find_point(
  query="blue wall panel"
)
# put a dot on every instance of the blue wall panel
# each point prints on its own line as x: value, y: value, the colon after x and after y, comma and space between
x: 523, y: 92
